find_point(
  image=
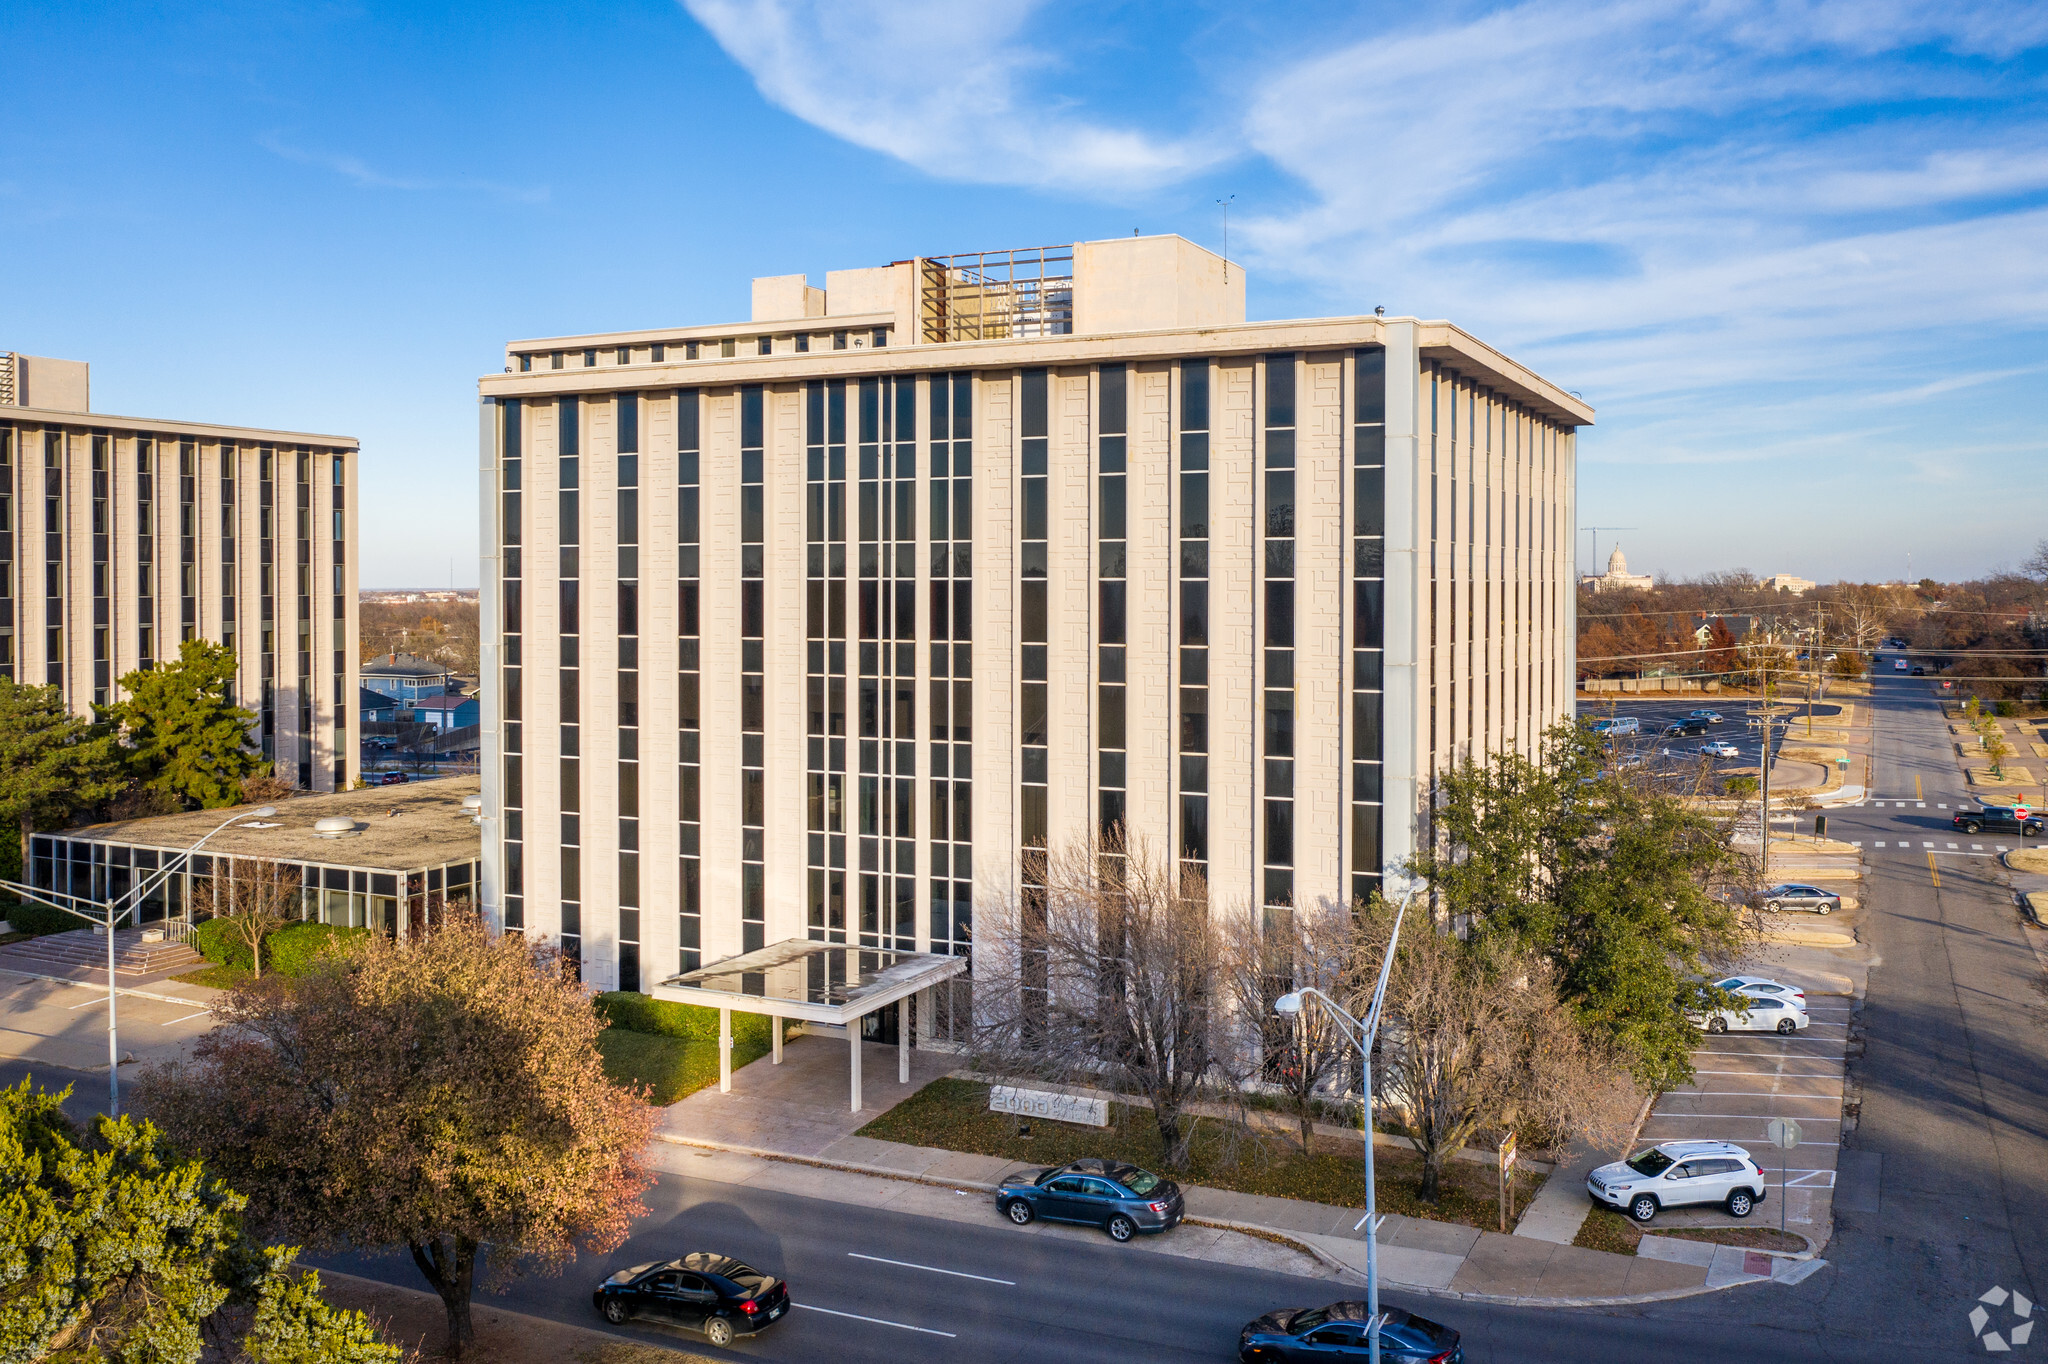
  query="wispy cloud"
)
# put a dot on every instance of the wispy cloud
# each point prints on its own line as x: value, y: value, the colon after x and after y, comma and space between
x: 953, y: 89
x: 359, y: 172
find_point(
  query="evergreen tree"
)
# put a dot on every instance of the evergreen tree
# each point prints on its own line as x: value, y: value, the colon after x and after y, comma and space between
x: 116, y: 1249
x: 1606, y: 878
x: 186, y: 736
x: 51, y: 761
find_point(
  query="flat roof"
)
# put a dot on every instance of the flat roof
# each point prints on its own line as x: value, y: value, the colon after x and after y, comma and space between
x: 256, y: 435
x: 429, y: 828
x: 1435, y: 340
x: 819, y: 982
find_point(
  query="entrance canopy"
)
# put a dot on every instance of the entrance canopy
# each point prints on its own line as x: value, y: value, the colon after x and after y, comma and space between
x: 818, y: 982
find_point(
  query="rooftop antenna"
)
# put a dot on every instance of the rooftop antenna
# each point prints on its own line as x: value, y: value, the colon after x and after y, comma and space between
x: 1226, y: 237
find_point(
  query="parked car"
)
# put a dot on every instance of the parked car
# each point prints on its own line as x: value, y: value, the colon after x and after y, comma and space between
x: 715, y: 1294
x: 1761, y: 986
x: 387, y: 779
x: 1720, y: 748
x: 1756, y: 1013
x: 1712, y: 717
x: 1688, y: 726
x: 1338, y: 1332
x: 1795, y: 896
x: 1676, y: 1174
x: 1999, y: 819
x: 1121, y: 1199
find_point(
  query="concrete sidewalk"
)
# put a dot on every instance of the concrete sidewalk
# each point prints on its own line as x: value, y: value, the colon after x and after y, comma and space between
x: 788, y: 1126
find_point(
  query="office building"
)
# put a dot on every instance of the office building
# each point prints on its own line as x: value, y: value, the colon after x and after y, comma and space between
x: 121, y: 537
x: 803, y: 627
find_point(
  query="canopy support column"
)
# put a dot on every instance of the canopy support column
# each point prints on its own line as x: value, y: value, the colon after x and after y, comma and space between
x: 853, y: 1052
x: 903, y: 1040
x: 725, y: 1051
x: 775, y: 1024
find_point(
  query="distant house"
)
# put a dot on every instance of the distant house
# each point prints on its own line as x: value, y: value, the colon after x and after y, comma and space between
x: 1785, y: 582
x: 377, y: 709
x: 406, y: 678
x: 1739, y: 628
x: 445, y: 713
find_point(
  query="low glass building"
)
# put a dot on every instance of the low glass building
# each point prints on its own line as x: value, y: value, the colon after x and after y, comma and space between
x: 389, y: 858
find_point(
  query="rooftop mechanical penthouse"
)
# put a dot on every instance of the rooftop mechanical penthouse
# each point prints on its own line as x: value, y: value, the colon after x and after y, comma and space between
x: 806, y: 626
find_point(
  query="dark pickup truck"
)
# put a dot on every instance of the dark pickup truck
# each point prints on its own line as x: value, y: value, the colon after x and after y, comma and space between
x: 1999, y: 820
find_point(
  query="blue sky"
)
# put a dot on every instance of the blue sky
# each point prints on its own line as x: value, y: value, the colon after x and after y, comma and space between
x: 1793, y: 253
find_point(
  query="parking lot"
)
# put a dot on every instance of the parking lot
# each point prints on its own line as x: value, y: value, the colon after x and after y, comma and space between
x: 1744, y: 1079
x: 66, y: 1025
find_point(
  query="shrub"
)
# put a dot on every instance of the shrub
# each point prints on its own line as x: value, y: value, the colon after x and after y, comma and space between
x: 217, y: 941
x: 291, y: 949
x: 26, y: 916
x: 663, y: 1018
x: 2007, y: 708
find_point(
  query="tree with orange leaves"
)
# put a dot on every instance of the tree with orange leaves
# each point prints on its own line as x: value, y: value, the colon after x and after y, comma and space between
x: 443, y: 1093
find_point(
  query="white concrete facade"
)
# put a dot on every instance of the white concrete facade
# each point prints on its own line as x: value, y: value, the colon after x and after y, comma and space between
x: 122, y: 536
x: 1269, y: 577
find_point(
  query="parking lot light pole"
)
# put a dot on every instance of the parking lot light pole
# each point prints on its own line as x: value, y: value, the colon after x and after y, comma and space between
x: 1361, y: 1036
x: 114, y: 912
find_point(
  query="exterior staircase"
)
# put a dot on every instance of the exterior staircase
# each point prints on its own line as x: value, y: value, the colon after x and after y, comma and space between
x: 82, y: 947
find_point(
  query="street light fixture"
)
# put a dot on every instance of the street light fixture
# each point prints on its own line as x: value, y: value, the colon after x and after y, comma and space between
x: 1361, y: 1035
x: 115, y: 910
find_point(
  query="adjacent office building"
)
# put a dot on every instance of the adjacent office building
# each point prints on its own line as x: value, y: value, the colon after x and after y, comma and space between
x: 121, y: 537
x: 804, y: 627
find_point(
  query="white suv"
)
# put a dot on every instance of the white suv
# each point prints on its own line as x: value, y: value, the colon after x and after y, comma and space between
x: 1674, y: 1173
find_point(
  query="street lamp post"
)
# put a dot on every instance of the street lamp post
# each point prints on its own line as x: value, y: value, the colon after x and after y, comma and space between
x: 115, y: 911
x: 1361, y: 1035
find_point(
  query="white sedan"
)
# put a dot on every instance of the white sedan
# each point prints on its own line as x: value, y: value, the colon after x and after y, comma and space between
x: 1758, y: 1013
x: 1720, y: 748
x: 1761, y: 986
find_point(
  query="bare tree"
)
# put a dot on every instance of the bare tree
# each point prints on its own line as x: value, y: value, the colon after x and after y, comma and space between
x: 1476, y: 1042
x: 261, y: 898
x: 1269, y: 953
x: 1110, y: 972
x: 2037, y: 566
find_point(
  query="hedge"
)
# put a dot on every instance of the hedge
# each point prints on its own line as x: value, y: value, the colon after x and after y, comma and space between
x: 26, y: 916
x: 664, y: 1018
x: 287, y: 951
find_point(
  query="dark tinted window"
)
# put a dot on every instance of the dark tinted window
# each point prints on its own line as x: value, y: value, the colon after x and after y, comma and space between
x: 1140, y: 1182
x: 1650, y: 1162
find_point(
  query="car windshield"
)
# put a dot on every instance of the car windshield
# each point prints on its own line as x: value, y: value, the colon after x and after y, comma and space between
x: 1650, y: 1162
x: 1139, y: 1182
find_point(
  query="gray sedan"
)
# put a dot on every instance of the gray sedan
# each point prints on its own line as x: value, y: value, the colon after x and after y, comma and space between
x: 1795, y: 896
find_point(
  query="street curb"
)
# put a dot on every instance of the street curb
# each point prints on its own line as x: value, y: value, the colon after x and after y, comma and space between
x: 1344, y: 1271
x: 94, y: 985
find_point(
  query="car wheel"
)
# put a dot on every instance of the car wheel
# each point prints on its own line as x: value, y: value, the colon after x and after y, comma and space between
x: 1787, y: 1026
x: 1018, y: 1211
x: 616, y: 1312
x: 1823, y: 909
x: 718, y: 1331
x: 2028, y: 833
x: 1642, y: 1208
x: 1773, y: 906
x: 1739, y: 1203
x: 1121, y: 1228
x: 1973, y: 828
x: 1717, y: 1024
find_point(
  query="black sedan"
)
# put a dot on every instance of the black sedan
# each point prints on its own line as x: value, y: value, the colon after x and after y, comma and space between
x: 1121, y: 1199
x: 1338, y: 1332
x: 715, y: 1294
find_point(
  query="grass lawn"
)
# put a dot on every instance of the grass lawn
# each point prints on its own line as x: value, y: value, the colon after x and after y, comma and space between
x: 215, y: 977
x: 672, y: 1067
x: 1606, y: 1229
x: 953, y: 1115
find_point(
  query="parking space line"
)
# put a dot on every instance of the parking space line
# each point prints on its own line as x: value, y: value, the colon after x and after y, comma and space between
x: 1748, y: 1093
x: 186, y: 1019
x: 97, y: 999
x: 1755, y: 1117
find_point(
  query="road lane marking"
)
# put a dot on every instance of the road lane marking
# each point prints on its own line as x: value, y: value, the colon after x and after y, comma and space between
x: 1933, y: 870
x: 1974, y: 847
x: 1942, y: 805
x: 855, y: 1316
x: 1750, y: 1117
x: 1749, y: 1093
x: 1916, y: 788
x: 932, y: 1269
x: 1879, y: 844
x: 1953, y: 846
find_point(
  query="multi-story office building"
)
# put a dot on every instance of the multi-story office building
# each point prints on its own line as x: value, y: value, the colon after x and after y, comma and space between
x: 121, y: 537
x: 806, y: 626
